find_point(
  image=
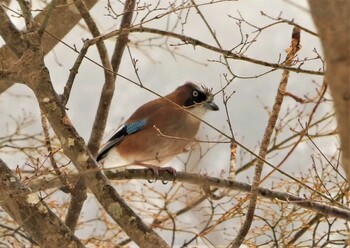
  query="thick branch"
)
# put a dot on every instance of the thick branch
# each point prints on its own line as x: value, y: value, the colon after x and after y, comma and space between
x: 197, y: 179
x: 63, y: 19
x: 78, y: 197
x: 32, y: 214
x: 10, y: 76
x: 11, y: 35
x: 333, y: 24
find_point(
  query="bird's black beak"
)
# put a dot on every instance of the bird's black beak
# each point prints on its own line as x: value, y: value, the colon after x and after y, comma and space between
x: 211, y: 106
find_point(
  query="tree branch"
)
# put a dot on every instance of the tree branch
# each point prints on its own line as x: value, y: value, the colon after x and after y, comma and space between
x: 46, y: 18
x: 62, y: 20
x: 64, y: 97
x: 292, y: 51
x: 32, y: 214
x: 122, y: 39
x: 332, y: 21
x: 203, y: 180
x: 191, y: 41
x: 10, y: 76
x: 27, y: 15
x: 11, y: 36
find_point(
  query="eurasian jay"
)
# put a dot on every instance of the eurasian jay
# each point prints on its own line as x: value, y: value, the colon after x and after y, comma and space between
x: 159, y: 130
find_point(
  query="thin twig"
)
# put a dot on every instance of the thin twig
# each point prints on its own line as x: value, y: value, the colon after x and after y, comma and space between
x: 64, y: 97
x: 134, y: 63
x: 292, y: 23
x: 187, y: 139
x: 323, y: 155
x: 48, y: 145
x: 227, y: 64
x: 246, y: 166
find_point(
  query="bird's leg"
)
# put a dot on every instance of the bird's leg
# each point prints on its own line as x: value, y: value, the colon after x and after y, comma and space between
x: 169, y: 169
x: 155, y: 169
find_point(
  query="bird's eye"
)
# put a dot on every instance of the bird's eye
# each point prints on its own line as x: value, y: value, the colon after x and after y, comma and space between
x: 195, y: 93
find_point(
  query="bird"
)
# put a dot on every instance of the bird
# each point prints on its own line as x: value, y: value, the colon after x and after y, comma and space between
x: 159, y: 130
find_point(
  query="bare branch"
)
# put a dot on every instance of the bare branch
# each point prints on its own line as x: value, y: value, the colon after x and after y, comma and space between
x: 305, y: 203
x: 191, y: 41
x: 304, y: 132
x: 61, y: 21
x: 229, y: 184
x: 327, y: 15
x: 73, y: 72
x: 32, y: 214
x: 45, y: 20
x: 79, y: 191
x: 10, y: 76
x: 108, y: 87
x: 204, y: 180
x: 291, y: 53
x: 122, y: 39
x: 51, y: 152
x: 292, y: 23
x: 10, y: 34
x: 27, y: 15
x: 78, y: 197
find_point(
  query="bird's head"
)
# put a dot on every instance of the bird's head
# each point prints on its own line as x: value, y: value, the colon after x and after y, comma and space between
x: 197, y: 99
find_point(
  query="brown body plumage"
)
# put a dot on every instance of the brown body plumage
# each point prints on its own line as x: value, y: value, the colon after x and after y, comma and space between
x: 169, y: 128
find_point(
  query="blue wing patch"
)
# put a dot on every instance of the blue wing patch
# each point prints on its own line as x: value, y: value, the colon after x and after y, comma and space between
x: 135, y: 126
x: 120, y: 135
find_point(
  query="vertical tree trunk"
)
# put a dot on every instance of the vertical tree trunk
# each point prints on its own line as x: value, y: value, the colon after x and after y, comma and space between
x: 332, y: 19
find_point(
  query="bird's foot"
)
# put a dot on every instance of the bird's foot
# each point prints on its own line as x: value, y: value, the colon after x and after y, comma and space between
x: 171, y: 170
x: 153, y: 168
x: 156, y: 169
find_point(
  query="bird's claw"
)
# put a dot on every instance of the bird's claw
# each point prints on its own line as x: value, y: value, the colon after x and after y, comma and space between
x: 155, y: 171
x: 171, y: 170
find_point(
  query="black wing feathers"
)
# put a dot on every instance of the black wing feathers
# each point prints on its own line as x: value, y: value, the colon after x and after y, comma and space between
x: 120, y: 135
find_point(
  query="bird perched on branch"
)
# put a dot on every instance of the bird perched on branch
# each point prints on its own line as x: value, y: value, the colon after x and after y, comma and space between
x: 159, y: 130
